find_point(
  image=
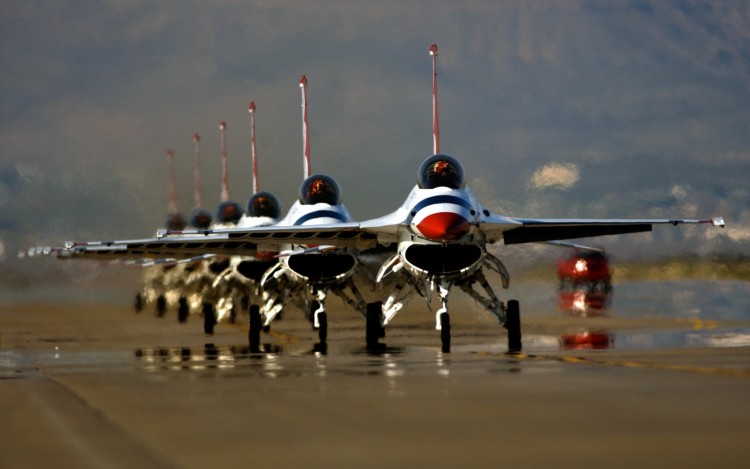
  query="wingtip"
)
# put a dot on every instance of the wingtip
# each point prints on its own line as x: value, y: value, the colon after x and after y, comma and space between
x: 718, y: 221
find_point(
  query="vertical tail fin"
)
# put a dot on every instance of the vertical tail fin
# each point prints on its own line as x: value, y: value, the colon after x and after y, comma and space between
x: 197, y: 170
x: 435, y: 124
x: 251, y: 109
x: 172, y: 187
x: 305, y: 133
x: 224, y: 169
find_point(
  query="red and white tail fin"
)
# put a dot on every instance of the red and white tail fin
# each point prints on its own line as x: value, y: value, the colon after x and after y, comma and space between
x: 197, y: 170
x: 435, y: 124
x: 224, y: 169
x: 305, y: 133
x: 251, y: 109
x: 172, y: 187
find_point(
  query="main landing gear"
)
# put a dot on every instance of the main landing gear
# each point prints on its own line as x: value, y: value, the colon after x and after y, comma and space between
x: 509, y: 316
x: 317, y: 317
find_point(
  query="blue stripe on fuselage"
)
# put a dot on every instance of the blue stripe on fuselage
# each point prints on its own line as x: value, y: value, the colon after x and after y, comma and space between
x: 321, y: 214
x: 441, y: 199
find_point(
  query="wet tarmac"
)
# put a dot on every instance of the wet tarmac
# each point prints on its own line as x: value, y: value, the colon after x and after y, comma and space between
x: 87, y: 384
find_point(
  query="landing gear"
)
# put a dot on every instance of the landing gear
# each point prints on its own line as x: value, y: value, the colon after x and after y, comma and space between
x: 513, y: 324
x: 373, y: 328
x: 322, y: 327
x: 138, y: 302
x: 255, y: 325
x: 445, y: 332
x: 442, y: 319
x: 209, y: 318
x: 183, y: 309
x: 161, y: 306
x: 318, y: 315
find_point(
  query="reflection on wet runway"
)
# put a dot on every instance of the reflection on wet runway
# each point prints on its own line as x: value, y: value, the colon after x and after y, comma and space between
x: 275, y: 361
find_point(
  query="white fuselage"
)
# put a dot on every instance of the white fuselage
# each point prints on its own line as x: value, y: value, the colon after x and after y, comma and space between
x: 438, y: 235
x: 317, y: 268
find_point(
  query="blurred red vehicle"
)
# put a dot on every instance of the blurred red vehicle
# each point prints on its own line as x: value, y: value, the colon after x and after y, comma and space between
x: 585, y: 282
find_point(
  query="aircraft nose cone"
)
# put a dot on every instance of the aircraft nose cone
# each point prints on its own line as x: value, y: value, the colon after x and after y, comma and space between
x: 444, y: 226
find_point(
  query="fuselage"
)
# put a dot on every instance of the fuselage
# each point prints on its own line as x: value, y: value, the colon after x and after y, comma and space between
x: 319, y: 204
x: 442, y: 239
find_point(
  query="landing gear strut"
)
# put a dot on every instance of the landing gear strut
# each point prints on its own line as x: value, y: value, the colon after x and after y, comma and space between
x: 373, y: 327
x: 209, y: 318
x: 513, y: 324
x: 255, y: 325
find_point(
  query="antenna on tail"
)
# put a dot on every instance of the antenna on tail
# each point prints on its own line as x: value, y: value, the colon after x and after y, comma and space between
x: 435, y: 124
x: 305, y: 134
x: 251, y: 109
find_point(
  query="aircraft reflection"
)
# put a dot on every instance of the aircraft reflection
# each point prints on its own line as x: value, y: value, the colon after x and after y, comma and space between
x: 392, y: 363
x: 209, y: 357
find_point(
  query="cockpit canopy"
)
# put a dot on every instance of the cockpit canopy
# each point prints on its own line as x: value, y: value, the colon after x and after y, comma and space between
x: 229, y: 212
x: 319, y: 189
x: 263, y: 204
x: 441, y: 171
x: 175, y: 222
x: 200, y: 218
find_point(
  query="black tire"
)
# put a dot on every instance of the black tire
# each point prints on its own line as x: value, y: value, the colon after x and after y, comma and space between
x: 209, y: 318
x: 373, y: 327
x: 255, y: 325
x: 138, y: 303
x: 513, y: 324
x: 161, y: 306
x: 445, y: 332
x: 232, y: 314
x: 183, y: 309
x: 323, y: 327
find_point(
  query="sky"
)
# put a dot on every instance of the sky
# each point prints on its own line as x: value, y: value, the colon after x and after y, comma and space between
x: 555, y: 108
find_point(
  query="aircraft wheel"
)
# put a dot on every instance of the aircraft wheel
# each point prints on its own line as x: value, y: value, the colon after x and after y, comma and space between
x: 138, y: 302
x: 183, y: 309
x: 161, y: 306
x: 373, y: 328
x: 323, y: 327
x: 513, y: 324
x: 255, y: 325
x: 209, y: 318
x: 445, y: 332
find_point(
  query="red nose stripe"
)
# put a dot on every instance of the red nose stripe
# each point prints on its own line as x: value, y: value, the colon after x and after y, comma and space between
x: 444, y: 226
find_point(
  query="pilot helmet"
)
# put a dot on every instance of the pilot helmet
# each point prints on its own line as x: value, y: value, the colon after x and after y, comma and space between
x: 200, y: 218
x: 320, y: 189
x: 441, y: 171
x: 175, y: 222
x: 263, y: 204
x: 229, y: 212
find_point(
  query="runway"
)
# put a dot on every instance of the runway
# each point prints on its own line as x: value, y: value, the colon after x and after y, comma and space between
x: 91, y: 384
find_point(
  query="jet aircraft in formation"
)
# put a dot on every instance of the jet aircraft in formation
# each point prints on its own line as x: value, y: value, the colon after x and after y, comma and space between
x: 436, y: 240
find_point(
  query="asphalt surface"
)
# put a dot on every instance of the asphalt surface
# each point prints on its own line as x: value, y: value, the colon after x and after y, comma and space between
x: 95, y: 385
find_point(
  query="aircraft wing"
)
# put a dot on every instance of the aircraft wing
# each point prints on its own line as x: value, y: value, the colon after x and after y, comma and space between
x: 172, y: 248
x: 339, y: 235
x: 527, y: 230
x: 192, y: 244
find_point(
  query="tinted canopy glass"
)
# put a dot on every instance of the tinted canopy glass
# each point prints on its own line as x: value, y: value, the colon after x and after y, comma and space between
x: 441, y: 171
x: 320, y: 189
x: 264, y: 204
